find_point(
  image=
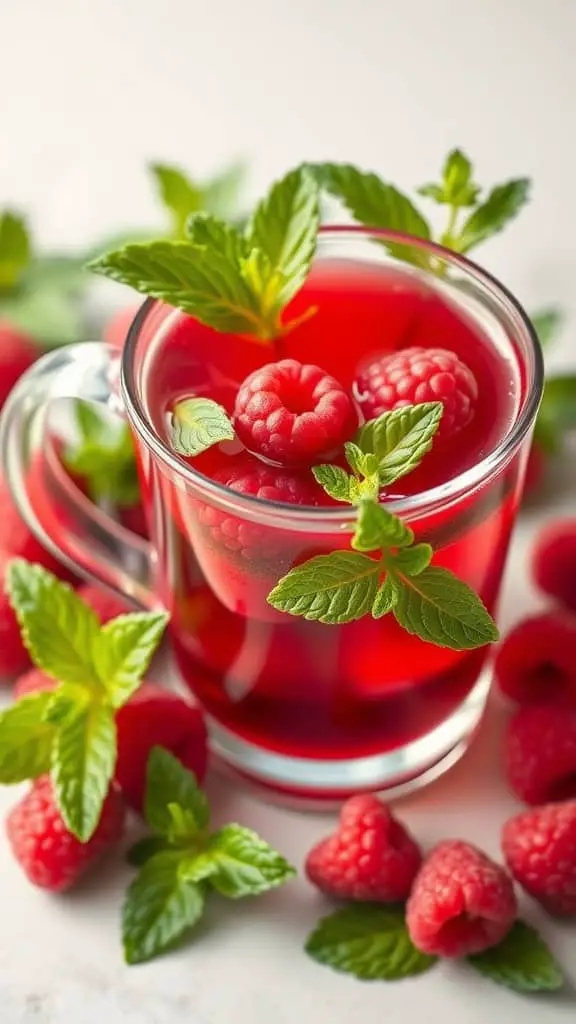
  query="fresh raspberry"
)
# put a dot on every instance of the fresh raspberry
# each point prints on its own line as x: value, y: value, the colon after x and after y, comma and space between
x: 17, y: 353
x: 554, y: 562
x: 416, y: 375
x: 370, y: 857
x: 105, y: 603
x: 540, y: 850
x: 540, y: 754
x: 291, y: 413
x: 536, y: 662
x: 155, y: 717
x: 50, y: 856
x: 248, y: 477
x: 14, y: 657
x: 461, y: 902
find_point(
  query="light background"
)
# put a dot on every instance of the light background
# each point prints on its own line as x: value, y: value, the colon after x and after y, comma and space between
x: 89, y: 91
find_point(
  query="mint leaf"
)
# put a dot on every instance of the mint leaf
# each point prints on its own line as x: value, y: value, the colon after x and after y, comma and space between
x: 25, y: 739
x: 503, y: 203
x: 547, y: 323
x: 123, y: 651
x: 205, y: 229
x: 377, y: 528
x: 168, y: 782
x: 401, y: 438
x: 197, y: 424
x: 83, y: 762
x: 159, y: 907
x: 521, y: 962
x: 368, y: 941
x: 411, y: 561
x: 145, y: 848
x: 103, y: 455
x: 244, y: 865
x: 375, y: 204
x: 339, y: 484
x: 58, y: 629
x: 457, y: 188
x: 15, y: 250
x: 195, y: 278
x: 385, y: 598
x: 179, y: 194
x: 335, y: 588
x: 441, y: 609
x: 285, y: 227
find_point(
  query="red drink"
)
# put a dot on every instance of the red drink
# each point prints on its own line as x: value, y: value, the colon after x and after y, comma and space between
x: 304, y: 690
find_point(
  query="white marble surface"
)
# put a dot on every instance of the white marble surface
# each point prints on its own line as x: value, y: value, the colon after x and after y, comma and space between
x: 90, y: 91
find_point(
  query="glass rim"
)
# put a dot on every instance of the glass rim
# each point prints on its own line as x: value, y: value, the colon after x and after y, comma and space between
x: 333, y: 516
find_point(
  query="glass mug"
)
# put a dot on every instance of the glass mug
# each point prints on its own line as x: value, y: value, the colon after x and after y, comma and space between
x: 305, y: 711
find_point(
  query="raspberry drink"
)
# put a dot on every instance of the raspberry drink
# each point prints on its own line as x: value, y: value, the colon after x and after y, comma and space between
x: 299, y: 688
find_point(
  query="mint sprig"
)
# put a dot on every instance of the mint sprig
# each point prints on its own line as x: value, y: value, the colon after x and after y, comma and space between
x: 102, y: 455
x: 71, y: 731
x: 521, y: 962
x: 232, y: 280
x: 181, y: 862
x: 370, y: 942
x: 197, y: 424
x: 387, y: 571
x: 15, y: 249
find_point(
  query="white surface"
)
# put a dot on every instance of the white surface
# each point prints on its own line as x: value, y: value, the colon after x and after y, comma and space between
x: 90, y: 91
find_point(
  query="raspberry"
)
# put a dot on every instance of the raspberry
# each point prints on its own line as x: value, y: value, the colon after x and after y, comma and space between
x: 50, y: 856
x: 540, y: 754
x: 105, y: 603
x: 370, y: 857
x: 246, y: 476
x: 14, y: 657
x: 416, y: 375
x: 554, y: 562
x: 291, y: 412
x: 461, y: 902
x: 156, y: 717
x: 536, y: 662
x: 540, y: 850
x: 17, y: 353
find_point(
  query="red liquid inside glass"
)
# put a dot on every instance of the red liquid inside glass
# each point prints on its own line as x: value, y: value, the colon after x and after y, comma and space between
x: 299, y: 688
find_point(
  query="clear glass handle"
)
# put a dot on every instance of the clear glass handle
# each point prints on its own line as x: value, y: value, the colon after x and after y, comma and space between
x: 64, y: 519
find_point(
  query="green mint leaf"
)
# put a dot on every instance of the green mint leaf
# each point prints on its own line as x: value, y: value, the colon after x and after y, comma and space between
x: 501, y: 206
x: 83, y: 762
x: 285, y: 227
x: 364, y: 464
x: 375, y: 204
x: 168, y: 782
x: 547, y: 323
x: 197, y: 424
x: 521, y: 962
x: 245, y: 865
x: 159, y: 907
x: 57, y: 627
x: 197, y: 867
x: 47, y: 313
x: 145, y: 848
x: 123, y: 651
x: 205, y: 229
x: 368, y: 941
x: 15, y: 249
x: 432, y: 191
x: 103, y: 455
x: 401, y: 438
x: 26, y: 739
x: 411, y: 561
x: 178, y: 193
x: 385, y: 598
x: 196, y: 278
x: 443, y: 610
x: 336, y: 482
x: 557, y: 413
x: 66, y: 700
x: 377, y: 528
x: 457, y: 188
x: 335, y: 588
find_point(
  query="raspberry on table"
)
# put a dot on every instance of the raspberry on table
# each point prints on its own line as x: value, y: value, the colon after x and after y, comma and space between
x: 554, y: 562
x: 540, y: 850
x: 536, y: 661
x: 461, y: 902
x: 49, y: 854
x: 370, y: 857
x: 540, y: 754
x: 156, y: 717
x: 293, y: 413
x: 248, y: 477
x: 415, y: 375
